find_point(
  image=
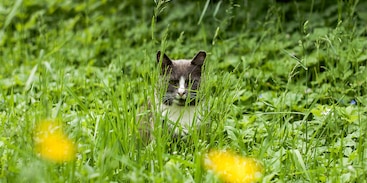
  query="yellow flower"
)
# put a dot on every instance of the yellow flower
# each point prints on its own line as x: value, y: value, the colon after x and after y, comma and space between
x: 233, y: 168
x: 52, y: 144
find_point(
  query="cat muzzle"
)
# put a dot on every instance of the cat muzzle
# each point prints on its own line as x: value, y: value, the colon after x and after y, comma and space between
x: 181, y: 96
x: 180, y: 102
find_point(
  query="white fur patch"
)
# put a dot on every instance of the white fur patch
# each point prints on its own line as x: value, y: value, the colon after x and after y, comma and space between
x: 184, y: 116
x: 181, y: 86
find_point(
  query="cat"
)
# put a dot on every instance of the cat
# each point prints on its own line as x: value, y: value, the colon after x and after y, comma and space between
x: 179, y: 103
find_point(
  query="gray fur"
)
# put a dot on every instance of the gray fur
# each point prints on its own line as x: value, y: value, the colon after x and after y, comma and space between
x: 174, y: 70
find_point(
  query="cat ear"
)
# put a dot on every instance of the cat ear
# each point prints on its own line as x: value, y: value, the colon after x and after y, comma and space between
x: 199, y: 58
x: 166, y: 61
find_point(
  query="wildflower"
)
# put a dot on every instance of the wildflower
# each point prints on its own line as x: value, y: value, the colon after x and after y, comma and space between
x: 233, y: 168
x: 52, y: 144
x: 326, y: 112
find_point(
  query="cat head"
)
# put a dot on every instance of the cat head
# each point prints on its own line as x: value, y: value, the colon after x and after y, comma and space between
x: 184, y: 77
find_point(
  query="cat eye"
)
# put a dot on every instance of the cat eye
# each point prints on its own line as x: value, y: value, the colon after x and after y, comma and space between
x: 192, y: 81
x: 173, y: 82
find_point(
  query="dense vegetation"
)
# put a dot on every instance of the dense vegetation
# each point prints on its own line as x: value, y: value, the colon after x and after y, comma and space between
x: 285, y: 82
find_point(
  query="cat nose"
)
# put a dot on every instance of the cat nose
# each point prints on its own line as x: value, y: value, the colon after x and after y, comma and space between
x: 181, y: 92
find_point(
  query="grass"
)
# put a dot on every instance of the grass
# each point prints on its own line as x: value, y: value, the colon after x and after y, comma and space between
x: 285, y: 83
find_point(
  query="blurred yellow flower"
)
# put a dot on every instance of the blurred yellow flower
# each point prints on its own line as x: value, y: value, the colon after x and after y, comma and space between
x: 52, y: 144
x: 233, y: 168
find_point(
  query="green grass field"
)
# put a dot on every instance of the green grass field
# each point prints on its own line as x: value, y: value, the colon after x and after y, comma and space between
x: 285, y: 83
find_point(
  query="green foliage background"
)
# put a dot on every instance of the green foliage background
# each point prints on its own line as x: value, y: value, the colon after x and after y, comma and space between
x: 286, y: 82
